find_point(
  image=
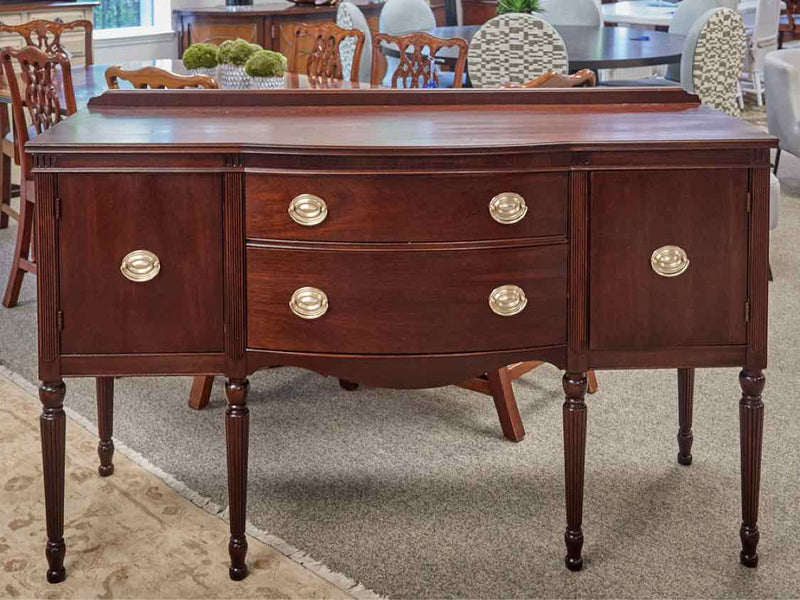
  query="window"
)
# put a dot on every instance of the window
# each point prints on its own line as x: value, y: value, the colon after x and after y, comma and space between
x: 116, y: 14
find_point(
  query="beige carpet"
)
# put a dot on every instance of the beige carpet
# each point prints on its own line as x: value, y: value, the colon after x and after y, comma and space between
x: 128, y: 536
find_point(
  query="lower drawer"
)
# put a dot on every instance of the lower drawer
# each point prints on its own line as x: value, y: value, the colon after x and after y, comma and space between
x: 405, y: 301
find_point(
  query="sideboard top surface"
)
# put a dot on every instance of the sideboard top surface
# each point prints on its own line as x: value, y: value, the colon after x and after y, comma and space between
x: 380, y: 120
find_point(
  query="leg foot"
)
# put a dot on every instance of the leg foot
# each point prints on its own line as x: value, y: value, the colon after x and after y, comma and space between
x: 105, y: 425
x: 751, y: 428
x: 348, y: 385
x: 685, y: 411
x: 53, y: 423
x: 574, y: 413
x: 237, y: 422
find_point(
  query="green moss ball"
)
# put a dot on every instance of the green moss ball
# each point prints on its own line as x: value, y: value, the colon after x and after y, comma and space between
x: 266, y: 63
x: 200, y: 56
x: 236, y: 52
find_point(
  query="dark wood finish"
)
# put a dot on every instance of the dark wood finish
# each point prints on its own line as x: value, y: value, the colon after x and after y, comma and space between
x: 237, y: 423
x: 46, y: 35
x: 45, y: 5
x: 707, y: 304
x: 270, y: 24
x: 37, y: 103
x: 153, y: 316
x: 399, y: 303
x: 155, y: 78
x: 477, y: 12
x: 419, y: 305
x: 5, y: 172
x: 358, y: 209
x: 53, y: 425
x: 322, y: 60
x: 105, y: 425
x: 415, y: 50
x: 583, y: 78
x: 590, y: 48
x: 751, y: 426
x: 574, y: 414
x: 685, y: 410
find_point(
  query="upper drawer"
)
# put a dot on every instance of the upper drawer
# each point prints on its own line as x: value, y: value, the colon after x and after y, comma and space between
x: 407, y: 208
x: 405, y: 301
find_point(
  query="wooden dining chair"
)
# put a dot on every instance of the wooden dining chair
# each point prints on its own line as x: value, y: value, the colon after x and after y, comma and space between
x: 414, y: 67
x: 41, y: 76
x: 583, y: 78
x: 157, y: 79
x: 323, y: 60
x: 45, y: 35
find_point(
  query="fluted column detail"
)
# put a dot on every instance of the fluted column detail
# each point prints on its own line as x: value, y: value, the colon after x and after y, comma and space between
x: 105, y: 424
x: 751, y: 428
x: 237, y: 421
x: 574, y: 413
x: 685, y: 412
x: 53, y: 425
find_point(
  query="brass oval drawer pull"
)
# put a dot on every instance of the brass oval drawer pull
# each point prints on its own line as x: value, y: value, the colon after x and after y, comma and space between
x: 308, y: 210
x: 309, y: 303
x: 140, y: 265
x: 669, y: 261
x: 508, y: 208
x: 507, y: 300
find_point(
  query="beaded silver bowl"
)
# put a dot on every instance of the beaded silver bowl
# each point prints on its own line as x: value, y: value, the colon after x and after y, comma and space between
x: 267, y: 83
x: 233, y: 77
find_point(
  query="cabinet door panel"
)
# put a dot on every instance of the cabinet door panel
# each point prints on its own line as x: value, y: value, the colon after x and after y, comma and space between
x: 176, y: 217
x: 632, y: 214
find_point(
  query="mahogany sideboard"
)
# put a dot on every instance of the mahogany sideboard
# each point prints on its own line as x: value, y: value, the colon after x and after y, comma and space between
x: 400, y: 238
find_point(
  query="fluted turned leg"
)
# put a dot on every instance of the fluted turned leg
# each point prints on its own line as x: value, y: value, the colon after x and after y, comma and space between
x: 685, y: 410
x: 105, y: 424
x: 53, y: 424
x: 237, y: 432
x: 575, y: 385
x: 751, y: 428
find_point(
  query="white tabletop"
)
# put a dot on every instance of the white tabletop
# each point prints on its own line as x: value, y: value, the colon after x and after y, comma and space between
x: 640, y: 13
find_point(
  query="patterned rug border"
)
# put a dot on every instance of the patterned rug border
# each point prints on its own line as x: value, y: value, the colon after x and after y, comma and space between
x: 339, y: 580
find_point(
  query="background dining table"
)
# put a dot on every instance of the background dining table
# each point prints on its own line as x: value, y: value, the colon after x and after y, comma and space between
x: 588, y: 47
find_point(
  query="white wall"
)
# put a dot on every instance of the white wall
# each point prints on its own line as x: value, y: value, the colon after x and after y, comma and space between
x: 113, y: 51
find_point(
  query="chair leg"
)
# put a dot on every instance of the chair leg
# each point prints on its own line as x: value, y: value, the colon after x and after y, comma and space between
x: 5, y: 170
x: 769, y: 272
x: 777, y: 161
x: 506, y: 404
x: 758, y: 88
x: 201, y: 391
x: 593, y: 386
x: 21, y: 254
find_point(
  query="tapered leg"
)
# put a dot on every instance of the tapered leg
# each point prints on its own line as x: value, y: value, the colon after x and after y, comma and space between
x: 237, y: 421
x: 506, y: 404
x: 201, y: 391
x: 777, y: 161
x: 751, y: 427
x: 53, y: 424
x: 5, y: 168
x: 591, y: 377
x: 105, y: 424
x: 350, y: 386
x: 685, y: 409
x: 575, y: 385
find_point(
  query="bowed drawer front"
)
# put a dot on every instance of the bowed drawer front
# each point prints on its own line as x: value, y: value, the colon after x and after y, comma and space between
x: 405, y: 301
x: 168, y: 295
x: 406, y: 208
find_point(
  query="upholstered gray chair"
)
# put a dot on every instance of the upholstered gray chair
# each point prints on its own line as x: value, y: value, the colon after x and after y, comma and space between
x: 572, y: 12
x: 782, y: 80
x: 349, y: 16
x: 762, y: 39
x: 515, y: 48
x: 713, y: 57
x: 686, y: 15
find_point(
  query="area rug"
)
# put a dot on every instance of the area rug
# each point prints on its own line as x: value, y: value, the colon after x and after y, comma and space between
x: 416, y: 494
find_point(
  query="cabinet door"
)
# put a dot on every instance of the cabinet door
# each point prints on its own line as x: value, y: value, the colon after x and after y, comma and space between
x: 178, y: 218
x: 704, y: 212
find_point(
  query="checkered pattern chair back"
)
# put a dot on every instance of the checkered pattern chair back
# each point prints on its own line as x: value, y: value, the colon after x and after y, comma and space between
x: 713, y: 58
x: 515, y: 48
x: 349, y: 16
